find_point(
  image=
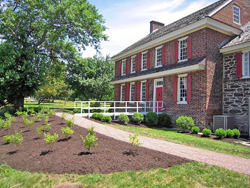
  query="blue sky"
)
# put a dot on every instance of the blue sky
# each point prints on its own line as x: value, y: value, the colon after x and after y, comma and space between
x: 128, y: 20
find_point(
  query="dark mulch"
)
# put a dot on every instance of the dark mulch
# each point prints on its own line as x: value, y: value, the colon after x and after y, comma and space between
x: 70, y: 156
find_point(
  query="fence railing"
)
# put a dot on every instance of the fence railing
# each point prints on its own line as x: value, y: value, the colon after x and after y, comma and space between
x: 115, y: 108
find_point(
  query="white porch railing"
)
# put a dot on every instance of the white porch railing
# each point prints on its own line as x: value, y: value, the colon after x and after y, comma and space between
x: 115, y: 108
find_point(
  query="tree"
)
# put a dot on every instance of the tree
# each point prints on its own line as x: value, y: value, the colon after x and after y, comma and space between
x: 36, y: 33
x: 91, y: 77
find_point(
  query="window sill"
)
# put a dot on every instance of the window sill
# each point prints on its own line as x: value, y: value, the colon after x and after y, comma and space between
x: 182, y: 60
x: 182, y: 102
x: 132, y: 72
x: 237, y: 23
x: 123, y: 74
x: 245, y: 77
x: 144, y: 69
x: 158, y: 66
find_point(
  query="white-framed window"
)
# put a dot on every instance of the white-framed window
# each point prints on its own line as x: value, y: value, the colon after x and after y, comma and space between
x: 158, y: 56
x: 132, y: 91
x: 245, y: 64
x: 182, y: 49
x: 143, y: 90
x: 133, y: 64
x: 144, y: 61
x: 122, y: 92
x: 236, y: 14
x: 182, y: 89
x: 123, y: 71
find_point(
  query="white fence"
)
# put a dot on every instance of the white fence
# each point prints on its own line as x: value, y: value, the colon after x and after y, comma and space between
x: 115, y: 108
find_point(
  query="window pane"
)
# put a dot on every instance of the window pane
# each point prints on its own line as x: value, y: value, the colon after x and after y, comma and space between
x: 246, y: 64
x: 183, y: 49
x: 122, y: 91
x: 143, y: 91
x: 133, y: 65
x: 132, y: 91
x: 236, y: 14
x: 123, y: 67
x: 158, y: 57
x: 144, y: 61
x: 183, y: 88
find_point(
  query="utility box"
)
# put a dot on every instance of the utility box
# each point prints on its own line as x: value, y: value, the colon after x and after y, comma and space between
x: 223, y: 121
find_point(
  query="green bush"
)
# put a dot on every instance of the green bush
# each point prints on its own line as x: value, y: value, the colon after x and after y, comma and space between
x: 137, y: 118
x: 28, y: 122
x: 91, y: 131
x: 67, y: 132
x: 106, y: 119
x: 195, y: 130
x: 151, y: 118
x: 7, y: 124
x: 123, y: 118
x: 46, y: 119
x: 90, y: 140
x: 63, y: 116
x: 52, y: 113
x: 206, y: 132
x: 185, y: 122
x: 16, y: 138
x: 7, y: 139
x: 164, y: 119
x: 229, y: 133
x: 50, y: 138
x: 134, y: 140
x: 236, y: 133
x: 39, y: 116
x: 94, y: 115
x: 220, y: 133
x: 77, y: 110
x: 42, y: 128
x: 70, y: 122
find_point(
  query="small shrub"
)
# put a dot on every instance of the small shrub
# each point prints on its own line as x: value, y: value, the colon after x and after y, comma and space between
x: 91, y: 131
x: 220, y: 133
x: 195, y: 130
x: 77, y: 110
x: 151, y: 118
x: 31, y: 111
x: 123, y: 118
x: 138, y: 118
x: 206, y: 132
x: 25, y: 114
x: 2, y: 122
x: 7, y: 115
x: 39, y: 116
x: 106, y: 119
x: 67, y: 132
x: 134, y: 140
x: 70, y: 122
x: 51, y: 113
x: 94, y: 115
x: 28, y: 122
x: 97, y: 116
x: 7, y: 124
x: 16, y: 138
x: 164, y: 119
x: 7, y: 139
x: 185, y: 122
x: 42, y: 128
x: 63, y: 116
x: 236, y: 133
x: 46, y: 119
x: 90, y: 140
x: 19, y: 113
x: 229, y: 133
x: 50, y: 138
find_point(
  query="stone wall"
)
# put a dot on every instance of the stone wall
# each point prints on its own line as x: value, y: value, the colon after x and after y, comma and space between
x: 236, y: 92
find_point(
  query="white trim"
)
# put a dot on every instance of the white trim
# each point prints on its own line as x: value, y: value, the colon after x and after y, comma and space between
x: 243, y: 64
x: 179, y: 49
x: 183, y: 38
x: 206, y: 22
x: 239, y: 15
x: 235, y: 48
x: 142, y: 60
x: 156, y: 49
x: 132, y: 83
x: 122, y: 85
x: 144, y: 52
x: 123, y: 61
x: 220, y: 7
x: 197, y: 67
x: 155, y: 86
x: 144, y: 81
x: 178, y: 88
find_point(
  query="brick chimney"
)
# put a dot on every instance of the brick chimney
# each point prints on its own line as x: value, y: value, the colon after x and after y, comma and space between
x: 155, y: 25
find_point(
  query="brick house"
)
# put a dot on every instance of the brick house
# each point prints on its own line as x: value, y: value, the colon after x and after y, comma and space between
x: 236, y: 82
x: 180, y: 63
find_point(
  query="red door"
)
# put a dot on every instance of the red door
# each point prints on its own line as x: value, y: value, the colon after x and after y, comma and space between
x: 158, y: 98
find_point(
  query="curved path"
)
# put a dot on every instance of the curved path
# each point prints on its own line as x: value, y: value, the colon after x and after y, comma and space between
x: 237, y: 164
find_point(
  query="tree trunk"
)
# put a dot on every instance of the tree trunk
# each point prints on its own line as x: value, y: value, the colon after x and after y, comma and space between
x: 19, y: 102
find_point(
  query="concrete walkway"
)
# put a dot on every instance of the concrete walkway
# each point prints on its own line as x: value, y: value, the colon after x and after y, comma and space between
x: 237, y: 164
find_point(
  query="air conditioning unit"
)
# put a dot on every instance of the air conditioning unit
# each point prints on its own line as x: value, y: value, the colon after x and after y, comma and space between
x: 223, y: 121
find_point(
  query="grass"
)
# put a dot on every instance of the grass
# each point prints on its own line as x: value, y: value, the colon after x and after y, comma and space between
x: 204, y: 143
x: 56, y: 104
x: 187, y: 175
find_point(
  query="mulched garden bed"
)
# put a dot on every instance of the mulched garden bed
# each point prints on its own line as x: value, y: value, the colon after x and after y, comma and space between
x: 70, y: 156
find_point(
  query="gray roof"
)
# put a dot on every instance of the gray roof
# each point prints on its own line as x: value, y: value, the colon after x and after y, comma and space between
x: 192, y: 18
x: 164, y: 68
x: 242, y: 38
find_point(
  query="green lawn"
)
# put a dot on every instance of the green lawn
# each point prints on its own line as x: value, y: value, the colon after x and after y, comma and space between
x: 187, y: 175
x: 174, y: 136
x: 56, y: 104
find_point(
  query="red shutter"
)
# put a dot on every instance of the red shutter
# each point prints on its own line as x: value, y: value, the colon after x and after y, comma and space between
x: 148, y: 59
x: 163, y: 53
x: 135, y: 92
x: 125, y: 92
x: 139, y: 68
x: 189, y: 88
x: 176, y: 51
x: 128, y: 90
x: 189, y: 48
x: 136, y: 63
x: 239, y: 65
x: 138, y: 91
x: 119, y: 92
x: 175, y: 89
x: 147, y: 90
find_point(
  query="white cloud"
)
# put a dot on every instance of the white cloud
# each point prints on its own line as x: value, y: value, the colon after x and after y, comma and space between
x: 128, y: 22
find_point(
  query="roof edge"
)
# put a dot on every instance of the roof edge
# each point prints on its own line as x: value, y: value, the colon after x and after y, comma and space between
x: 219, y: 8
x: 235, y: 48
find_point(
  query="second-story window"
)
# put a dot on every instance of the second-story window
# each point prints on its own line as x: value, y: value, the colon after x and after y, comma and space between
x: 182, y: 49
x: 236, y: 14
x: 158, y: 56
x: 144, y: 61
x: 133, y: 64
x: 123, y: 67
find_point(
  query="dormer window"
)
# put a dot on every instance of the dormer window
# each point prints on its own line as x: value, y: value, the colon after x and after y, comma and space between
x: 236, y: 14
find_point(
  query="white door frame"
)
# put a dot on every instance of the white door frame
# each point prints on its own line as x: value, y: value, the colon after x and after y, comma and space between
x: 155, y: 86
